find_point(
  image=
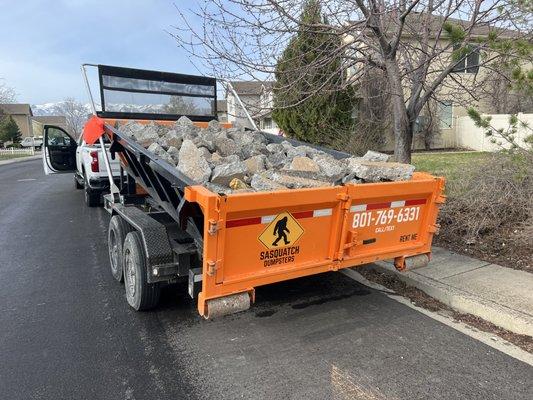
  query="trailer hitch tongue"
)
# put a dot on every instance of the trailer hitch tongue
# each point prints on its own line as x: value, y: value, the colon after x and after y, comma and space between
x: 227, y: 305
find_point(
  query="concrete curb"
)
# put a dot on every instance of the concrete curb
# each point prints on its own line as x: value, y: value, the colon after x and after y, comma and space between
x: 504, y: 317
x: 20, y: 159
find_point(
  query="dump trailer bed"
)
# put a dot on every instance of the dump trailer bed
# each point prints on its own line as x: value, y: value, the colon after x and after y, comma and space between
x: 166, y: 227
x: 239, y: 242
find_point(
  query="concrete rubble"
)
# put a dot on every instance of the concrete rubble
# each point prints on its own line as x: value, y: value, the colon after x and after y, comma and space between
x: 234, y: 160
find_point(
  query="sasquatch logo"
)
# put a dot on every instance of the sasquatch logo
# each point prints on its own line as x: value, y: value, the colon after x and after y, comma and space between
x: 280, y: 229
x: 280, y: 238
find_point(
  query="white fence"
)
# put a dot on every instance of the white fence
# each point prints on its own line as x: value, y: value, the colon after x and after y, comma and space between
x: 471, y: 137
x: 17, y: 152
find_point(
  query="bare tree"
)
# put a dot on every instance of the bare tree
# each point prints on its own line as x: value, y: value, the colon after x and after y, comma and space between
x: 420, y: 45
x: 75, y: 113
x: 7, y: 94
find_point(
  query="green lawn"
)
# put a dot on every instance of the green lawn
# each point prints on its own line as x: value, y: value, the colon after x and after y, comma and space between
x: 449, y: 165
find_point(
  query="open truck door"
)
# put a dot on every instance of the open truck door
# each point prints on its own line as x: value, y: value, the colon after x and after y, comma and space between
x: 59, y: 151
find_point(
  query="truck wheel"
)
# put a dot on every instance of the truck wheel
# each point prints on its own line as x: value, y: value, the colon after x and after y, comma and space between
x: 92, y: 197
x: 77, y: 183
x: 140, y: 294
x: 116, y: 234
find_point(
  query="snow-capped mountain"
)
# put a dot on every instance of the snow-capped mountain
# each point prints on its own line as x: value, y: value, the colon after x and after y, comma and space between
x: 52, y: 108
x: 55, y: 108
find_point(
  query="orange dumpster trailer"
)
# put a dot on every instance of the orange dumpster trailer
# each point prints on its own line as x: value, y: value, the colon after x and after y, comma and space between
x: 166, y: 228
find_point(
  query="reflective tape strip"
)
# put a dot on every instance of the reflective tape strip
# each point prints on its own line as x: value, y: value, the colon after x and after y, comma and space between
x: 267, y: 219
x: 395, y: 204
x: 302, y: 214
x: 415, y: 202
x: 322, y: 213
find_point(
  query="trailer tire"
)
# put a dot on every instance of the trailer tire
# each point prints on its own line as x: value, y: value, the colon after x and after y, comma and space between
x: 140, y: 294
x: 116, y: 234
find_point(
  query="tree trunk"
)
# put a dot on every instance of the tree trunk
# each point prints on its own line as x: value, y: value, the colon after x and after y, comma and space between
x: 403, y: 132
x: 403, y: 138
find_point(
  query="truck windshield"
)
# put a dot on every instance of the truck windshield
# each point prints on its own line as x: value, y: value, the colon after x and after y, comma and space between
x: 130, y: 91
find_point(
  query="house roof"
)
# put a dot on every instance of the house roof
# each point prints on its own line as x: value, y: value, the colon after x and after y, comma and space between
x: 222, y: 106
x: 51, y: 119
x: 415, y: 25
x: 250, y: 87
x: 16, y: 109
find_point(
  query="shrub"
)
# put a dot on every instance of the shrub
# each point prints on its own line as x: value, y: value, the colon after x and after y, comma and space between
x: 495, y: 196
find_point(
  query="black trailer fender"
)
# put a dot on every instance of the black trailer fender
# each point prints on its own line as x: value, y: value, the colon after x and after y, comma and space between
x: 157, y: 247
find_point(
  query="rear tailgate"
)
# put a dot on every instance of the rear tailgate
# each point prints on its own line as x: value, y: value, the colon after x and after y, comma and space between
x: 252, y: 239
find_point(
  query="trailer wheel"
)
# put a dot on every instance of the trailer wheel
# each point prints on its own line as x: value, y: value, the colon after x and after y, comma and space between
x: 116, y: 234
x: 140, y: 294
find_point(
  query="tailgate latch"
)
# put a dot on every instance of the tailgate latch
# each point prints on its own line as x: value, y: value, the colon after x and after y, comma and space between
x: 212, y: 227
x: 211, y: 267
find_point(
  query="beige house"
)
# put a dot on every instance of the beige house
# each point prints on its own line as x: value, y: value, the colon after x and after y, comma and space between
x: 454, y: 94
x: 222, y: 110
x: 21, y: 114
x: 38, y: 123
x: 258, y: 99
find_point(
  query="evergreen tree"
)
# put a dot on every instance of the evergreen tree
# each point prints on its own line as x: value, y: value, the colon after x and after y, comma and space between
x: 9, y: 130
x: 306, y: 105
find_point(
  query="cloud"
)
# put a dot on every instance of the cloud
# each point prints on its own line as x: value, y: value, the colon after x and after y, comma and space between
x: 49, y: 40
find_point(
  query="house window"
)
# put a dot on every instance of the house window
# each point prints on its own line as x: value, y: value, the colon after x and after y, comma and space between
x: 445, y: 114
x: 267, y: 123
x: 470, y: 64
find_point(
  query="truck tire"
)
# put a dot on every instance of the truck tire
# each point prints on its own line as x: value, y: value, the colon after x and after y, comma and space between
x: 77, y: 183
x: 116, y: 234
x: 140, y: 294
x: 92, y: 197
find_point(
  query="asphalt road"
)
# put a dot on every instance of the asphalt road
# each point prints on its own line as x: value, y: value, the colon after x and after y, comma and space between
x: 66, y: 331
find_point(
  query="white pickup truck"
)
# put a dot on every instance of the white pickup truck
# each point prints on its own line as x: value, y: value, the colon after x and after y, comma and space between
x: 32, y: 141
x: 62, y: 153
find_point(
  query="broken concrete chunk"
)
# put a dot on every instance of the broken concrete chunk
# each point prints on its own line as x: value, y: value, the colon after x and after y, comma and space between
x: 218, y: 188
x: 371, y: 155
x: 304, y: 164
x: 237, y: 184
x: 174, y: 138
x: 255, y: 164
x: 174, y: 153
x: 299, y: 151
x: 193, y: 163
x: 226, y: 146
x: 294, y: 182
x: 275, y: 148
x: 183, y: 122
x: 254, y: 149
x: 225, y: 173
x: 262, y: 183
x: 331, y: 168
x: 377, y: 171
x: 206, y: 153
x: 213, y: 125
x: 276, y: 160
x: 159, y: 151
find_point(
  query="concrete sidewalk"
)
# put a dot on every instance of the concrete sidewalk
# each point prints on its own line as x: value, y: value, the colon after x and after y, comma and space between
x: 497, y: 294
x: 20, y: 159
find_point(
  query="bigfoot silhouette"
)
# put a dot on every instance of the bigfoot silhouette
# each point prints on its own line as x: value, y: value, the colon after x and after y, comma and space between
x: 279, y: 229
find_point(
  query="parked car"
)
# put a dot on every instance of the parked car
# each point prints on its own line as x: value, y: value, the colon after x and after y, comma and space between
x: 63, y: 154
x: 32, y: 141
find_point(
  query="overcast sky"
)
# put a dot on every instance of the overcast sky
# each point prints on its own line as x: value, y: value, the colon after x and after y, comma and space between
x: 44, y: 42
